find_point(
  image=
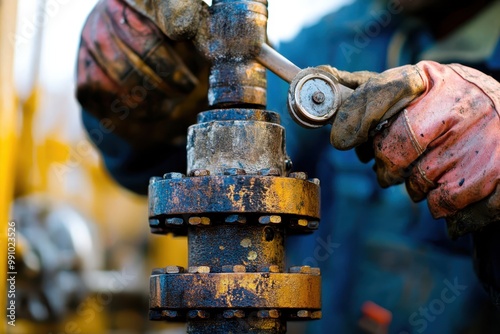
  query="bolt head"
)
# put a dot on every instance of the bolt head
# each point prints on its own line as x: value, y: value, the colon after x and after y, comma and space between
x: 174, y: 221
x: 239, y: 269
x: 270, y: 269
x: 318, y: 97
x: 303, y: 314
x: 316, y: 271
x: 305, y: 270
x: 234, y: 171
x: 315, y: 181
x: 169, y: 314
x: 313, y: 225
x: 228, y: 314
x: 298, y: 175
x: 316, y: 315
x: 174, y: 270
x: 236, y: 219
x: 153, y: 222
x: 193, y: 314
x: 199, y: 221
x: 199, y: 270
x: 268, y: 314
x: 264, y: 220
x: 302, y: 222
x: 199, y: 172
x: 172, y: 176
x: 194, y: 221
x: 269, y: 172
x: 239, y: 313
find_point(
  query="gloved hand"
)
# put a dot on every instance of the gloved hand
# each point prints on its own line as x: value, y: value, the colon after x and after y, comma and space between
x: 435, y: 127
x: 177, y: 19
x: 142, y: 85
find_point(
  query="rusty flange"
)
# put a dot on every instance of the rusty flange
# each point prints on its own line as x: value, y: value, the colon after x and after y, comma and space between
x: 287, y: 293
x: 178, y: 201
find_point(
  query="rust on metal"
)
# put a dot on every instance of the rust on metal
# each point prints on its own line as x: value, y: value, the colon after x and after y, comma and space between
x: 235, y: 194
x: 237, y: 200
x: 283, y: 291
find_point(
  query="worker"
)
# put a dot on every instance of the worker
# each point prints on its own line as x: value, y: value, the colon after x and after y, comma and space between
x: 432, y: 126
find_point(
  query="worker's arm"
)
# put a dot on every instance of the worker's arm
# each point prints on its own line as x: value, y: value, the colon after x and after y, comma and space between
x: 139, y: 91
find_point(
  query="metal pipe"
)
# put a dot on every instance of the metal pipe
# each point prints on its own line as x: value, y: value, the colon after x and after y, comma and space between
x: 277, y: 64
x: 238, y: 197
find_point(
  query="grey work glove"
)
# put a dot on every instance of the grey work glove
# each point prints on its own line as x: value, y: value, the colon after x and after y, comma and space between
x: 435, y: 127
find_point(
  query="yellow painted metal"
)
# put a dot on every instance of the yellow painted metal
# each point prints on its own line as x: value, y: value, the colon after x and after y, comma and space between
x: 70, y: 171
x: 8, y: 122
x: 8, y: 126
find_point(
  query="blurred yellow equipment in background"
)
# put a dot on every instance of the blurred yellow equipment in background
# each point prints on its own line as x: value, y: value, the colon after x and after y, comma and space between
x: 44, y: 152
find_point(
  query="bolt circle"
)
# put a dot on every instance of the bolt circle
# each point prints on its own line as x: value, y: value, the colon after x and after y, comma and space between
x: 318, y: 97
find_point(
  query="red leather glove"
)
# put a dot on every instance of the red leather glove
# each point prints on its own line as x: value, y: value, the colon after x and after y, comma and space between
x: 144, y: 86
x: 442, y: 137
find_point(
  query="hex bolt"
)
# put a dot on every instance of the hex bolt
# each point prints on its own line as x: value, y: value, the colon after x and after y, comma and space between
x: 234, y: 171
x: 316, y: 315
x: 313, y: 225
x: 193, y: 314
x: 316, y: 271
x: 275, y: 314
x: 303, y: 314
x: 264, y: 220
x: 268, y: 314
x: 154, y: 222
x: 174, y: 221
x: 199, y: 172
x: 199, y: 270
x: 300, y: 270
x: 270, y: 269
x: 298, y: 175
x: 195, y: 221
x: 239, y: 314
x: 315, y: 181
x: 318, y: 97
x: 305, y: 270
x: 174, y: 270
x: 269, y: 172
x: 302, y: 222
x: 169, y: 314
x: 239, y: 269
x: 173, y: 176
x: 236, y: 219
x: 154, y: 179
x: 229, y: 314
